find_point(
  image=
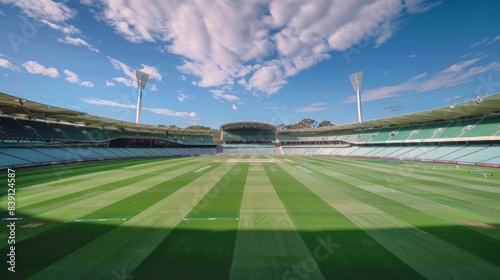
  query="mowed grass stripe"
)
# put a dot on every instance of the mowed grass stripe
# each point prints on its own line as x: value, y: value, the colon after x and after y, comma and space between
x: 69, y: 237
x: 51, y: 215
x: 449, y: 214
x: 127, y: 245
x: 48, y: 174
x: 346, y: 251
x: 451, y: 194
x: 432, y: 257
x: 102, y: 172
x: 268, y: 244
x: 38, y: 196
x: 454, y: 233
x: 450, y: 176
x: 26, y: 192
x: 65, y: 195
x: 201, y: 249
x: 149, y: 165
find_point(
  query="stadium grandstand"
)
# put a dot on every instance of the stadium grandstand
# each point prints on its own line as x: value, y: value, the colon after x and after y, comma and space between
x: 466, y: 133
x: 32, y: 133
x: 248, y: 138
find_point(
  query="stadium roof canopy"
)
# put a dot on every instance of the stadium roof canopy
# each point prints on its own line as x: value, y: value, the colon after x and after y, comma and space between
x: 477, y: 107
x: 248, y: 125
x: 19, y: 107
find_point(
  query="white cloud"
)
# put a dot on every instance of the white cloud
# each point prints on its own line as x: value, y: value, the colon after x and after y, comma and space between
x: 51, y: 13
x: 479, y: 43
x: 71, y: 77
x: 153, y: 88
x: 486, y: 41
x: 234, y: 107
x: 171, y: 113
x: 87, y: 84
x: 77, y: 42
x: 129, y: 72
x: 64, y: 28
x: 104, y: 102
x: 456, y: 74
x: 43, y: 9
x: 159, y: 111
x: 315, y: 107
x: 34, y: 67
x: 220, y: 95
x: 109, y: 84
x: 413, y: 55
x: 125, y: 81
x: 74, y: 79
x: 152, y: 71
x: 420, y: 6
x: 456, y: 97
x: 183, y: 97
x: 7, y: 64
x: 493, y: 40
x: 260, y: 44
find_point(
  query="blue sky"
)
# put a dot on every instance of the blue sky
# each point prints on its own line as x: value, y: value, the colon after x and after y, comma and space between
x: 213, y: 61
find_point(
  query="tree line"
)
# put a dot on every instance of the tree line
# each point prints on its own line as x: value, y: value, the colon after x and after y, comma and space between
x: 304, y: 123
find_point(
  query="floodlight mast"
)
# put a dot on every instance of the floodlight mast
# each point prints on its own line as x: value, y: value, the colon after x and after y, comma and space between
x: 356, y: 81
x: 142, y: 80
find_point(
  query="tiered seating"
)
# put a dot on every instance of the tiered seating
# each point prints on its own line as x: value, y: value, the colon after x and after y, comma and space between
x: 488, y: 126
x: 94, y: 133
x: 254, y: 149
x: 413, y: 152
x: 404, y: 132
x: 387, y: 151
x: 441, y: 152
x: 346, y: 151
x: 362, y: 151
x: 344, y: 135
x: 15, y: 129
x: 462, y: 152
x: 111, y: 134
x: 8, y: 160
x: 429, y: 130
x: 105, y: 152
x: 70, y: 131
x: 480, y: 154
x: 383, y: 135
x: 456, y: 128
x: 43, y: 129
x: 246, y: 135
x: 64, y: 153
x: 367, y: 135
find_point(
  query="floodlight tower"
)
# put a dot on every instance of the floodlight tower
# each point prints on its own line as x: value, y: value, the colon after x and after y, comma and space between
x: 142, y: 80
x: 356, y: 81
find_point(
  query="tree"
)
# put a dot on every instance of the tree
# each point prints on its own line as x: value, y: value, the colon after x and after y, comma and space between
x: 307, y: 123
x: 199, y: 127
x: 325, y: 123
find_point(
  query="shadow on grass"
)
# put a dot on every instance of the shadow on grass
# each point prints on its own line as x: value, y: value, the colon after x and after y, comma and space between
x: 187, y: 253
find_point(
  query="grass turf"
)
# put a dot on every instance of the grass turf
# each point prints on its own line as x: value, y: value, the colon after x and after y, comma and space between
x: 299, y: 218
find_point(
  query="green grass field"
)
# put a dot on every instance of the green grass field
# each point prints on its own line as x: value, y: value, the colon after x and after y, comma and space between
x: 254, y: 218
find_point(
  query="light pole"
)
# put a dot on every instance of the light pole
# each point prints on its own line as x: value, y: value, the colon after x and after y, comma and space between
x: 356, y: 81
x: 142, y: 80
